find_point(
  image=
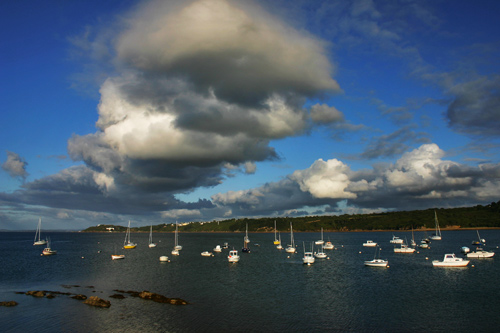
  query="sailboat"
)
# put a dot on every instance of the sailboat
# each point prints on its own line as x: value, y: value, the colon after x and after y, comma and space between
x: 437, y: 234
x: 480, y: 241
x: 308, y: 256
x: 377, y: 262
x: 117, y: 256
x: 320, y: 254
x: 321, y: 241
x: 151, y: 244
x: 177, y: 247
x: 279, y: 246
x: 38, y: 233
x: 127, y: 244
x: 291, y: 248
x: 246, y: 240
x: 276, y: 240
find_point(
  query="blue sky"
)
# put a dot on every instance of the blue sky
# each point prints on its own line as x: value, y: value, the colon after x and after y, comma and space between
x: 164, y: 111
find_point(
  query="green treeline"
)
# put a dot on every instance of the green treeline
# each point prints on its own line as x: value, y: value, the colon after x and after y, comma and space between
x: 468, y: 217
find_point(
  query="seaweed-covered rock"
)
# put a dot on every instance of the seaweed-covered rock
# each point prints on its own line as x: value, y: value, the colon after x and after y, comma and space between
x: 96, y: 301
x: 80, y: 297
x: 117, y: 296
x: 8, y: 303
x: 36, y: 293
x: 161, y: 299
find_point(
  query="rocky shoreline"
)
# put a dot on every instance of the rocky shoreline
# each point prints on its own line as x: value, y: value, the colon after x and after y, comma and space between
x: 95, y: 300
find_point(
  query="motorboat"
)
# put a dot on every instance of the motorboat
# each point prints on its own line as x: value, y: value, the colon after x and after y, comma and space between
x: 328, y: 245
x: 117, y: 256
x: 377, y: 262
x: 233, y: 256
x: 403, y: 248
x: 437, y: 234
x: 127, y: 244
x: 423, y: 245
x: 225, y: 246
x: 218, y: 249
x: 164, y: 259
x: 396, y: 240
x: 370, y: 243
x: 38, y: 234
x: 450, y: 260
x: 48, y: 251
x: 207, y: 254
x: 480, y: 253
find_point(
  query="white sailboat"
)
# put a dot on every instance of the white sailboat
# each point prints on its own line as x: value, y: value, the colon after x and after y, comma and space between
x: 127, y: 244
x: 276, y: 240
x: 38, y: 233
x: 308, y: 256
x: 321, y: 253
x: 377, y: 262
x: 177, y: 247
x: 246, y: 239
x: 151, y: 244
x: 437, y: 234
x: 279, y: 246
x: 291, y: 248
x: 321, y: 241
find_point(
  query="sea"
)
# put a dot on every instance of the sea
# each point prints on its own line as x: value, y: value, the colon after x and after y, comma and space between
x: 268, y: 290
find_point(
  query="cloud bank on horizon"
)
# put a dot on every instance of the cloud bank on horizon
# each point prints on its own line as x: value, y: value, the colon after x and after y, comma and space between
x: 200, y: 91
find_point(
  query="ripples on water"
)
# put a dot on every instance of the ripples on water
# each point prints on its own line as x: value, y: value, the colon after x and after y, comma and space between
x: 265, y: 292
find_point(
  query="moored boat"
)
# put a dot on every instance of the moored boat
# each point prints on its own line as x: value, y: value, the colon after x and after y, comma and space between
x: 450, y: 260
x: 117, y: 256
x: 233, y: 256
x: 377, y: 262
x: 207, y: 254
x: 38, y: 234
x: 370, y: 243
x: 218, y: 249
x: 480, y: 253
x: 48, y: 250
x: 127, y: 244
x: 437, y: 234
x: 395, y: 240
x: 308, y: 258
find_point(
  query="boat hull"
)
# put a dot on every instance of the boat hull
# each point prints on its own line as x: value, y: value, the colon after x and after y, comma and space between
x: 480, y: 254
x: 117, y: 256
x: 376, y: 263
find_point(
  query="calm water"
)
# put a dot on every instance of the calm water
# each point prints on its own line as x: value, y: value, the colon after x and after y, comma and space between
x: 267, y: 291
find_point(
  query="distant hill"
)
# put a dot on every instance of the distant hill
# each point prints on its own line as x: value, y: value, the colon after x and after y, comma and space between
x: 467, y: 217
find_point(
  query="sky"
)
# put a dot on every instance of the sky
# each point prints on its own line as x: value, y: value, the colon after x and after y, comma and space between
x: 165, y: 111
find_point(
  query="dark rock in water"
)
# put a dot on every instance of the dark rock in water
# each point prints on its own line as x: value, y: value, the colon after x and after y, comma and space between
x: 36, y: 293
x: 8, y: 303
x: 161, y: 299
x: 51, y: 295
x: 96, y: 301
x: 80, y: 297
x: 117, y: 296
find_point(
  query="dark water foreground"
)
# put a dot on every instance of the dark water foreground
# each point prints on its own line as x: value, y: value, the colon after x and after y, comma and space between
x: 267, y: 291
